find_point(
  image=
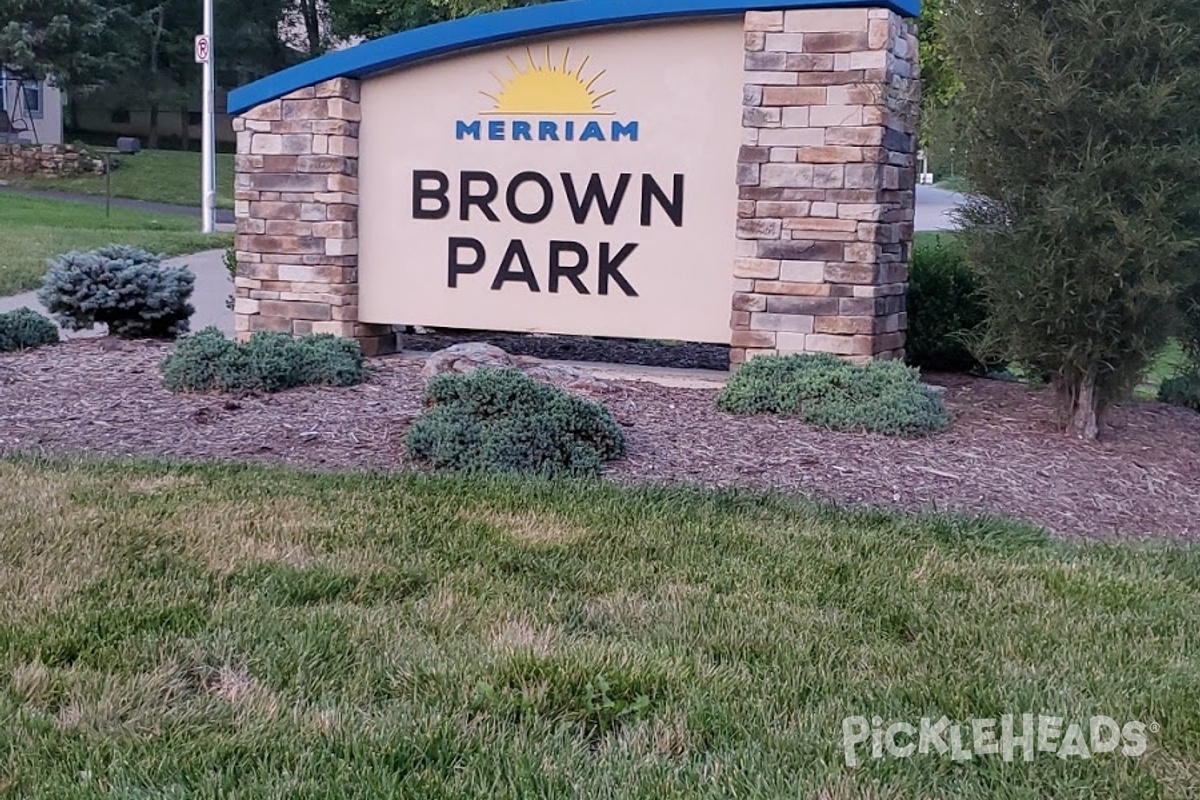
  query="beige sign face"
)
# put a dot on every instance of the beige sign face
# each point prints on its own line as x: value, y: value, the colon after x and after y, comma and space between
x: 584, y: 184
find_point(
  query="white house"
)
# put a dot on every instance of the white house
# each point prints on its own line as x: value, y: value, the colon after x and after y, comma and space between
x: 33, y: 111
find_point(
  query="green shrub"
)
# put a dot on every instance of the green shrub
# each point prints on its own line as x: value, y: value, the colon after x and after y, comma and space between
x: 125, y: 288
x: 879, y: 397
x: 1183, y: 390
x: 944, y: 309
x: 23, y: 329
x: 504, y: 421
x: 325, y: 360
x: 269, y: 362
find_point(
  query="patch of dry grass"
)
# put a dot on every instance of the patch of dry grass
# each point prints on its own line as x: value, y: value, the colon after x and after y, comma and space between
x: 525, y: 527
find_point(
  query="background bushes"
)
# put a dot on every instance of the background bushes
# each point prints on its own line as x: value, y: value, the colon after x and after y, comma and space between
x: 878, y: 397
x: 23, y: 328
x: 1182, y: 390
x: 944, y: 308
x: 125, y: 288
x: 268, y: 362
x: 504, y: 421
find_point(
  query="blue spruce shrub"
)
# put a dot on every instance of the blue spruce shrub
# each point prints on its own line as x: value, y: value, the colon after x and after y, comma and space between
x: 878, y: 397
x: 23, y: 329
x: 503, y: 421
x: 125, y: 288
x: 269, y: 362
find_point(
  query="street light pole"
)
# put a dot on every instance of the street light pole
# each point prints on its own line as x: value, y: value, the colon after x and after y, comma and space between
x: 208, y: 159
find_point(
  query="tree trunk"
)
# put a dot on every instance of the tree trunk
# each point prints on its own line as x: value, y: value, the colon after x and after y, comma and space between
x: 1080, y: 404
x: 185, y: 132
x: 155, y: 40
x: 311, y: 12
x: 152, y: 139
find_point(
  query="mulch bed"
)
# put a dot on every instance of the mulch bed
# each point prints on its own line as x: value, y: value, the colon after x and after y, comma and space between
x: 1003, y: 455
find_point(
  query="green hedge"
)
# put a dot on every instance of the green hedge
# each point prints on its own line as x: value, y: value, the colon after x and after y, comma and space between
x: 23, y: 329
x: 944, y: 308
x: 504, y: 421
x: 268, y: 362
x: 1183, y: 390
x: 878, y: 397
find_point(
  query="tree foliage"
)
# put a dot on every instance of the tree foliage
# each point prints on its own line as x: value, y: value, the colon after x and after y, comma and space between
x: 939, y: 83
x: 306, y: 26
x: 374, y: 18
x: 1082, y: 129
x: 160, y: 73
x: 73, y: 43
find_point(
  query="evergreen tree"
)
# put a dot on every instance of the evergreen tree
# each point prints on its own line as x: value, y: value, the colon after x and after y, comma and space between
x: 162, y: 74
x: 375, y: 18
x: 1082, y: 129
x: 73, y: 43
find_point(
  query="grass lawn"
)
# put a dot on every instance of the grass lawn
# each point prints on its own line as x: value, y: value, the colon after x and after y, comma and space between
x: 954, y: 183
x: 161, y: 176
x: 932, y: 238
x: 34, y: 230
x: 219, y: 631
x: 1171, y: 361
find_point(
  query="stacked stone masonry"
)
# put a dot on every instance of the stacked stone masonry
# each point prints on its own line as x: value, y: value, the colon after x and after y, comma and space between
x: 296, y: 197
x: 826, y: 184
x: 52, y: 160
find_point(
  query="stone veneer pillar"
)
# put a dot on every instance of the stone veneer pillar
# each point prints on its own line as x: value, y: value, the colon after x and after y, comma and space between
x: 826, y: 184
x: 296, y: 196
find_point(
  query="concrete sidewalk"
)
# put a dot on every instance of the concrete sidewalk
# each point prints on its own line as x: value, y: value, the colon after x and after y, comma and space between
x: 213, y: 287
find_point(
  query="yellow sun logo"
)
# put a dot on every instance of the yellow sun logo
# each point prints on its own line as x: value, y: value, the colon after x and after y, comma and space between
x: 548, y: 88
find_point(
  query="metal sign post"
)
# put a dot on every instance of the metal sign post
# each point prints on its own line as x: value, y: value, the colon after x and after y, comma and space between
x: 208, y: 159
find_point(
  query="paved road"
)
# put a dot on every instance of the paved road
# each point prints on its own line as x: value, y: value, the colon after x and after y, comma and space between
x: 224, y: 216
x: 213, y: 287
x: 935, y: 208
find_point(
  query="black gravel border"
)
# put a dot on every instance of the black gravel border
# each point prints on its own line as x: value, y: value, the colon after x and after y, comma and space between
x: 642, y: 352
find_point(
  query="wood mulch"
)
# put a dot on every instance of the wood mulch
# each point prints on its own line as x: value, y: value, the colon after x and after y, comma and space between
x: 1002, y: 456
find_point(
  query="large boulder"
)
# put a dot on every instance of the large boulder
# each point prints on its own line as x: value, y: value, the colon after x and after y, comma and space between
x: 461, y: 359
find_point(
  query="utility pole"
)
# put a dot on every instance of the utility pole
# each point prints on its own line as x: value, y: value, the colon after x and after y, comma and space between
x: 208, y: 158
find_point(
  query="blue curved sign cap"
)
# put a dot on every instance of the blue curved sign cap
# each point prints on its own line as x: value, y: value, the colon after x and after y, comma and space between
x: 399, y: 49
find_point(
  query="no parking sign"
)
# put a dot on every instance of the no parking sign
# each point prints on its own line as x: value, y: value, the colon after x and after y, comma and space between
x: 203, y: 49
